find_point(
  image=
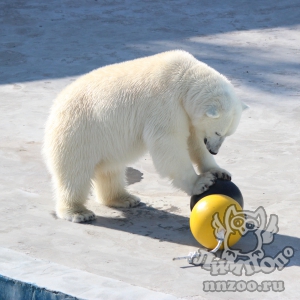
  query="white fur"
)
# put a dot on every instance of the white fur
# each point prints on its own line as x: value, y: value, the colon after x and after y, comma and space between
x: 167, y: 104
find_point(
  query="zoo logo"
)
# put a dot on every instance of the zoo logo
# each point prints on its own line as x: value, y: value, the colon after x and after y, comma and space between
x: 254, y: 261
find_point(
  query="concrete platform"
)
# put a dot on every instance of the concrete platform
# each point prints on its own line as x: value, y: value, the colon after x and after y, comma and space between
x: 127, y: 254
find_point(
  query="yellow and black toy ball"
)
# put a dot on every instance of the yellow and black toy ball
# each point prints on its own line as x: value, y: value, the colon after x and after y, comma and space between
x: 204, y: 206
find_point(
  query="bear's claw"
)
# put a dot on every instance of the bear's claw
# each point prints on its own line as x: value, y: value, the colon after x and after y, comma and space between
x: 203, y: 183
x: 221, y: 174
x: 125, y: 201
x: 77, y: 216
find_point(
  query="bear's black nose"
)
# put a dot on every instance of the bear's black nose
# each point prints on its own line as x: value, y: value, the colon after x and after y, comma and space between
x: 205, y: 141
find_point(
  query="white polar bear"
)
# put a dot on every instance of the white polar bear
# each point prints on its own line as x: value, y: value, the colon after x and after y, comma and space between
x: 174, y: 106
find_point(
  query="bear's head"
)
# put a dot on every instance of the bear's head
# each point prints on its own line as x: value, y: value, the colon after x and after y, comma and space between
x: 218, y: 122
x: 213, y: 108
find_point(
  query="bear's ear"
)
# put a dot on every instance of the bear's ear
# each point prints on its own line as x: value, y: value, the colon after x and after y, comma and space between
x: 245, y: 106
x: 212, y: 112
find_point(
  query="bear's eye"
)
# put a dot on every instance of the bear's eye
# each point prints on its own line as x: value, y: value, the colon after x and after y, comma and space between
x: 218, y: 134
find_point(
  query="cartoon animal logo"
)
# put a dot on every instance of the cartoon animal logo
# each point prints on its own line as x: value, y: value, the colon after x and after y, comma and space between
x: 246, y: 222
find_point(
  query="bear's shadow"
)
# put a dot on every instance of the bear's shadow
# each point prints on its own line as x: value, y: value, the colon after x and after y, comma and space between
x: 133, y: 175
x: 167, y: 226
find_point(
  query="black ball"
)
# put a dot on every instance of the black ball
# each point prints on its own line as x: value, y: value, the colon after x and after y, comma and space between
x: 223, y: 187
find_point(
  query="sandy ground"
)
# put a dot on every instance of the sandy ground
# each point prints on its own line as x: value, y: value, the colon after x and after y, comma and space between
x: 47, y: 44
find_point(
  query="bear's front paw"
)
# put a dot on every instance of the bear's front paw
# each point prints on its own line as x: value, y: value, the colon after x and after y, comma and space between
x: 125, y: 201
x: 221, y: 173
x: 76, y: 216
x: 203, y: 183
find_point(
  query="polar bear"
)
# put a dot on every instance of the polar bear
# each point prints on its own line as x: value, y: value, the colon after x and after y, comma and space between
x: 170, y: 104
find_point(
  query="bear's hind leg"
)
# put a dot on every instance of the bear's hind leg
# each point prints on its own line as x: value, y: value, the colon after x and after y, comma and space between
x: 70, y: 198
x: 110, y: 188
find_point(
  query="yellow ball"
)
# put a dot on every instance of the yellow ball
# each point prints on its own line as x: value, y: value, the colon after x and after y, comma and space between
x: 202, y: 217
